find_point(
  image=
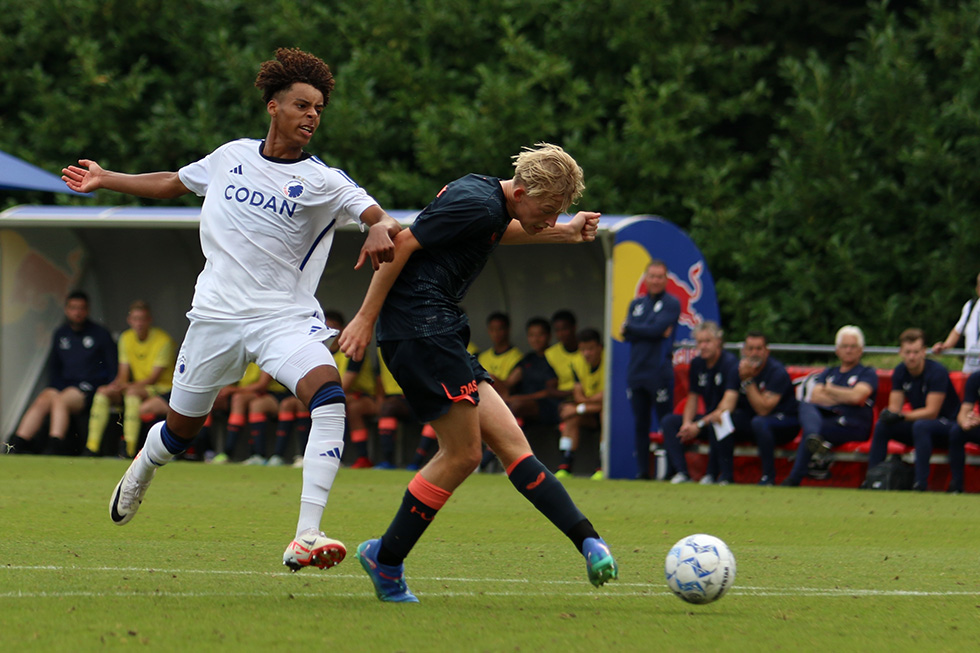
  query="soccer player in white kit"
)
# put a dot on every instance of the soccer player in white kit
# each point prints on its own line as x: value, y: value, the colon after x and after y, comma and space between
x: 269, y: 215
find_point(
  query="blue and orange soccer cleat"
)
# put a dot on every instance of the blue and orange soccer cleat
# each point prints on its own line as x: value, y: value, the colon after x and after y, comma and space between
x: 599, y: 562
x: 389, y: 580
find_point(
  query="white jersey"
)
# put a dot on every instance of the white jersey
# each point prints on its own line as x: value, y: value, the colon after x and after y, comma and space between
x: 266, y: 228
x: 968, y: 326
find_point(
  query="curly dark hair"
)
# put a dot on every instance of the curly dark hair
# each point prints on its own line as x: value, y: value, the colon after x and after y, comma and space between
x: 292, y: 65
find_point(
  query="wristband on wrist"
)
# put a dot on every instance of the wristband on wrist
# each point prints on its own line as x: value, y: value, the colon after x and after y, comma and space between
x: 580, y: 409
x: 699, y: 423
x: 746, y: 383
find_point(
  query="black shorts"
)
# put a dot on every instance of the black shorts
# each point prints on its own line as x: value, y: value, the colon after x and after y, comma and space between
x: 435, y: 372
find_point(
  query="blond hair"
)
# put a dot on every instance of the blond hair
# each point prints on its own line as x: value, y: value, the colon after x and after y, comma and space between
x: 547, y: 170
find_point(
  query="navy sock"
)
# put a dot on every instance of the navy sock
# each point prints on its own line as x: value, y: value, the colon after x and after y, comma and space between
x: 282, y: 436
x: 231, y: 439
x: 257, y: 438
x: 302, y: 430
x: 425, y: 446
x: 567, y: 460
x: 410, y: 522
x: 174, y: 444
x: 386, y: 438
x: 548, y: 495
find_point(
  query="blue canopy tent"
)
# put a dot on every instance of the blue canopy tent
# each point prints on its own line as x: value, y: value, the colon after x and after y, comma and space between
x: 17, y: 174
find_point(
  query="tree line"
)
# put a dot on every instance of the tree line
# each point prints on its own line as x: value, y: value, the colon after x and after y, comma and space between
x: 821, y: 153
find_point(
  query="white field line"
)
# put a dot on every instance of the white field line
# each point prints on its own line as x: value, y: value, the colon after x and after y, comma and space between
x: 611, y: 590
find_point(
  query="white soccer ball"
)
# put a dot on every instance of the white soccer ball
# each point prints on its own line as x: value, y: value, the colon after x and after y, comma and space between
x: 700, y: 568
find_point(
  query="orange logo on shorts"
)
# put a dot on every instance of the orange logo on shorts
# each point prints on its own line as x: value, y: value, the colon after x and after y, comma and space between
x: 465, y: 392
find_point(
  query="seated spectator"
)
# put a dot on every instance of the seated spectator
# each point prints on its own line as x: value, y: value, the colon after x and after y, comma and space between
x: 966, y: 328
x: 261, y: 408
x: 234, y: 400
x: 499, y: 361
x: 841, y: 406
x: 293, y: 418
x: 925, y: 385
x: 146, y: 369
x: 965, y: 430
x: 713, y: 378
x: 766, y: 410
x: 533, y: 382
x: 82, y: 358
x: 502, y: 357
x: 564, y: 356
x: 585, y: 409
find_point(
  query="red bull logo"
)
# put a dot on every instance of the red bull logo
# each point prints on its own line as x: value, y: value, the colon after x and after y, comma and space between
x: 688, y: 292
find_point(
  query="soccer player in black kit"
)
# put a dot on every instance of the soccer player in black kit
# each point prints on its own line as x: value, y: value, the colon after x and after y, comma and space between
x: 423, y: 335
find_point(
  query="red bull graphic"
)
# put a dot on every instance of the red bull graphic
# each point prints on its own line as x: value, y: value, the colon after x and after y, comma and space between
x: 640, y: 241
x: 688, y: 292
x: 31, y: 281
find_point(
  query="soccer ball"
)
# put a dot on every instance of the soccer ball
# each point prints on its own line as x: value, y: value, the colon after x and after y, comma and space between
x: 700, y: 568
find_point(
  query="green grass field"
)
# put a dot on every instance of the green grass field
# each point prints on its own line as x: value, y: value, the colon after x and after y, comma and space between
x: 200, y: 567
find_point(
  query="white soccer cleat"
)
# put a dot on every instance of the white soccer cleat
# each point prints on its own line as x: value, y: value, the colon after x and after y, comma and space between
x: 312, y: 548
x: 128, y: 496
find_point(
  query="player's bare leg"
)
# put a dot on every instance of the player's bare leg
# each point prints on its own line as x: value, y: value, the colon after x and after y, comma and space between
x: 460, y: 450
x: 540, y: 487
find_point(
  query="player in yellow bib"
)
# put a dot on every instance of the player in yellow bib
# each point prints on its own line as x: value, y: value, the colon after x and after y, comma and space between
x: 502, y: 357
x: 585, y: 408
x: 146, y: 369
x: 499, y: 361
x: 564, y: 356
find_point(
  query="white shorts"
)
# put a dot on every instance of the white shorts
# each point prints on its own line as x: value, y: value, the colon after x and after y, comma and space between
x: 215, y: 353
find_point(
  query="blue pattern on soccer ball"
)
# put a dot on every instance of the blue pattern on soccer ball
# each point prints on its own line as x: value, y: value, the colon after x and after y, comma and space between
x: 699, y: 569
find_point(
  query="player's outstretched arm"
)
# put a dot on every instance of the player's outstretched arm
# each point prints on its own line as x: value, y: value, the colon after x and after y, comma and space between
x: 379, y: 245
x: 356, y: 336
x: 88, y: 176
x: 582, y: 228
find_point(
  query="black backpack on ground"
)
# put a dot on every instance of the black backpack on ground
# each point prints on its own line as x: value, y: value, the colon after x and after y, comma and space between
x: 891, y: 474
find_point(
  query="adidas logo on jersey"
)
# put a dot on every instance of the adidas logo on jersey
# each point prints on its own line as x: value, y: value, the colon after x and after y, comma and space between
x: 333, y: 453
x: 237, y: 170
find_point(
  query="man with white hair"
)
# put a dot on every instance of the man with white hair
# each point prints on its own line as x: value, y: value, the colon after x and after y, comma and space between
x: 840, y: 408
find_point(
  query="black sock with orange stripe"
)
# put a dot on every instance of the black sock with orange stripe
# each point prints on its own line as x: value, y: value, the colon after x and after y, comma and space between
x: 420, y: 504
x: 548, y: 495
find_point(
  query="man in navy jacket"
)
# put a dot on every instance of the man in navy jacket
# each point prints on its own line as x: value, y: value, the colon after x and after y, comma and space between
x: 649, y: 328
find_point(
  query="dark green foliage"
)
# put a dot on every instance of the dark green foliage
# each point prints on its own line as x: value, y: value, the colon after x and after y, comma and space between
x: 820, y: 152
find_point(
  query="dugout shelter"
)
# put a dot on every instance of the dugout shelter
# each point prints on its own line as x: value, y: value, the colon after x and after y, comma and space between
x: 120, y: 254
